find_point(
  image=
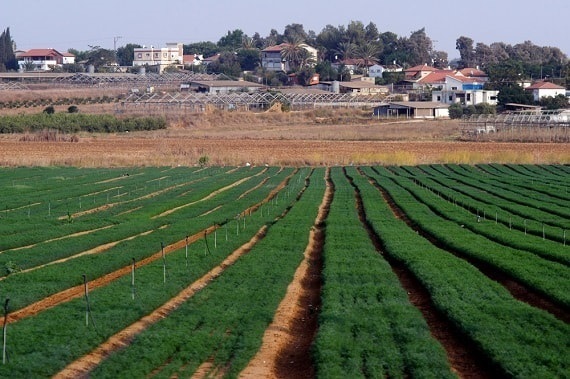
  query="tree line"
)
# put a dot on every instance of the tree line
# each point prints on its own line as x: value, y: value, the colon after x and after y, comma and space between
x: 240, y: 52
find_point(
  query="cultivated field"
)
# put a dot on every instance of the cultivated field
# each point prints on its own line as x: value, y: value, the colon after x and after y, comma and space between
x: 365, y: 271
x: 320, y: 243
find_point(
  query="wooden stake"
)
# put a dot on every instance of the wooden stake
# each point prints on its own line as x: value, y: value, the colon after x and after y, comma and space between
x: 4, y: 327
x: 133, y: 279
x: 163, y: 262
x: 87, y: 310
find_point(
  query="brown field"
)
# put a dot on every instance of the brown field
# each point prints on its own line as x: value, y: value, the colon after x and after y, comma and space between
x: 315, y: 137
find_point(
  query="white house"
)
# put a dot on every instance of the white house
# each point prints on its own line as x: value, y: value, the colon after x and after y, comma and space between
x: 466, y: 91
x: 377, y: 70
x: 43, y: 59
x: 272, y: 60
x: 545, y: 89
x: 161, y: 57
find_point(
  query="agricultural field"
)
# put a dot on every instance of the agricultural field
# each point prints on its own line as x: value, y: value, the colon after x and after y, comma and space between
x: 424, y: 270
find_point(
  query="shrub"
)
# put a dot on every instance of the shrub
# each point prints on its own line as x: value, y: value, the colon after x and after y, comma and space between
x: 49, y: 110
x: 72, y: 109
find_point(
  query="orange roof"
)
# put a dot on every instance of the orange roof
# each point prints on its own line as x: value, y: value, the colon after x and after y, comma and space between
x: 544, y: 85
x: 41, y: 53
x: 436, y: 77
x: 423, y: 67
x: 274, y: 48
x: 472, y: 72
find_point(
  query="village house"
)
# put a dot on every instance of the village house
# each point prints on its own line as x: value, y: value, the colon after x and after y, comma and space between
x: 545, y: 89
x: 377, y: 70
x: 272, y: 59
x: 43, y: 59
x: 451, y: 86
x: 163, y: 57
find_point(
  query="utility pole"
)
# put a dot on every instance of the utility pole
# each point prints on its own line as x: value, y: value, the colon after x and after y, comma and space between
x: 115, y: 39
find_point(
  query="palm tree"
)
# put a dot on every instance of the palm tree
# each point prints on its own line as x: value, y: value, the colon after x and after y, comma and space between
x: 292, y: 52
x: 368, y: 53
x: 346, y: 50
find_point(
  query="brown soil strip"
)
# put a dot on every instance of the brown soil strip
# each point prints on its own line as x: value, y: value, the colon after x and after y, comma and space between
x: 77, y: 291
x: 253, y: 189
x: 210, y: 211
x: 285, y: 350
x: 464, y: 358
x: 111, y: 205
x: 78, y: 234
x: 96, y: 250
x: 81, y: 367
x: 115, y: 179
x: 517, y: 289
x: 214, y: 193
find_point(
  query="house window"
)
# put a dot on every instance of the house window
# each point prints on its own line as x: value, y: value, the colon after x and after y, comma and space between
x: 454, y: 88
x: 148, y: 54
x: 494, y: 98
x: 139, y: 55
x: 468, y: 97
x: 165, y: 55
x: 438, y: 98
x: 156, y: 55
x: 450, y: 97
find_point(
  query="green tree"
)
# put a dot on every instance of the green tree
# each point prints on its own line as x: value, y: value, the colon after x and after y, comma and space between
x: 249, y: 59
x: 558, y: 102
x: 7, y: 58
x: 205, y: 48
x: 294, y: 32
x: 227, y: 64
x: 326, y: 71
x: 126, y: 54
x: 466, y: 51
x: 232, y: 41
x: 455, y: 111
x: 292, y: 52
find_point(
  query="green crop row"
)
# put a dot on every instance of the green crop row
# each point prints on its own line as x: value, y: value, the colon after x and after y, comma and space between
x: 28, y: 287
x: 480, y: 218
x: 40, y: 346
x: 520, y: 340
x: 480, y: 200
x: 77, y: 122
x: 45, y: 344
x: 549, y: 278
x: 224, y: 323
x: 367, y: 326
x: 511, y: 190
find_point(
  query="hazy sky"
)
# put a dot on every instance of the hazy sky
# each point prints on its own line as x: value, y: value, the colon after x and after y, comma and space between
x: 64, y: 24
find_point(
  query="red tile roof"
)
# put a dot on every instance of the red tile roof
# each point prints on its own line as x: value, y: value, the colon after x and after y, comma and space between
x: 544, y: 85
x: 473, y: 72
x: 424, y: 67
x: 41, y: 53
x: 274, y: 48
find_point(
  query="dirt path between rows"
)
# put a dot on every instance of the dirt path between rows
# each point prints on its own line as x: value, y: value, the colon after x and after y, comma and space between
x: 464, y: 358
x: 84, y: 365
x: 77, y: 291
x: 285, y: 350
x: 517, y: 289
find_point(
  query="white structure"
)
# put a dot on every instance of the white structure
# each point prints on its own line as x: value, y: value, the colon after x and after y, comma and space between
x: 161, y: 57
x: 43, y: 59
x: 463, y: 90
x: 272, y: 60
x: 377, y: 70
x: 545, y: 89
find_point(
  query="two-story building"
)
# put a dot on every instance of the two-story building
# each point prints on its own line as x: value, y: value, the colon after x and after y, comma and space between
x: 161, y: 57
x: 43, y: 59
x: 272, y: 58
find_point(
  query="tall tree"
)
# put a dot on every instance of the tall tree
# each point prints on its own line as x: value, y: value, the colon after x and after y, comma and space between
x: 7, y: 58
x: 232, y: 41
x: 466, y: 51
x: 292, y: 52
x: 126, y: 54
x: 295, y: 32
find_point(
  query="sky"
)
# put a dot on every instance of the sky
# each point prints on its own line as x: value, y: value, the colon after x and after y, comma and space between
x: 78, y: 24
